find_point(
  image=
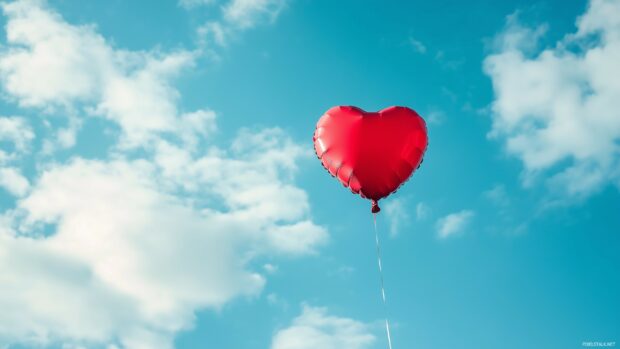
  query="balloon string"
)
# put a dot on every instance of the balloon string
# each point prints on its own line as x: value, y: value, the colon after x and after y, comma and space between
x: 387, y: 322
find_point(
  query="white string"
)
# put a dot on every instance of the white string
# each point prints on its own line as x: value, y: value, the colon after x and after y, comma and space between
x: 387, y: 323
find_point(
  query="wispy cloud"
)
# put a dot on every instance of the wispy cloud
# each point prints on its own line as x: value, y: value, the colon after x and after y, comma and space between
x: 557, y: 109
x: 396, y: 214
x: 422, y: 211
x: 417, y: 45
x: 400, y: 213
x: 435, y: 117
x: 447, y: 62
x: 246, y: 14
x: 16, y: 137
x: 235, y: 16
x: 453, y: 223
x: 498, y: 195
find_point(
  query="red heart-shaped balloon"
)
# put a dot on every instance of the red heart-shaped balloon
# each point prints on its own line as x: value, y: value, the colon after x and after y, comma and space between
x: 371, y: 153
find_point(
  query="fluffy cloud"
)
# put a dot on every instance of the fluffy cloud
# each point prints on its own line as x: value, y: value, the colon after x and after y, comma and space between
x: 137, y: 261
x: 13, y: 181
x: 453, y: 223
x: 136, y: 258
x: 121, y: 251
x: 315, y: 328
x: 49, y: 61
x: 557, y: 109
x: 53, y: 65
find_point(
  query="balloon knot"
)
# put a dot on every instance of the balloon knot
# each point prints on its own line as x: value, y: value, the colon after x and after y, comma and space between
x: 375, y: 207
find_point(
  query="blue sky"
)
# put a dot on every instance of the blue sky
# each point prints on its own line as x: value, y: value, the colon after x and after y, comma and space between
x: 158, y: 187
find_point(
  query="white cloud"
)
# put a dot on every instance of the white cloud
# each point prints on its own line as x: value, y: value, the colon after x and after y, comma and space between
x: 15, y: 137
x: 142, y: 102
x: 51, y: 64
x: 247, y: 13
x: 299, y: 238
x: 315, y: 328
x: 138, y: 260
x: 557, y: 109
x: 453, y: 223
x: 13, y: 181
x: 49, y: 61
x: 64, y: 137
x: 122, y: 251
x: 397, y: 215
x: 237, y: 16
